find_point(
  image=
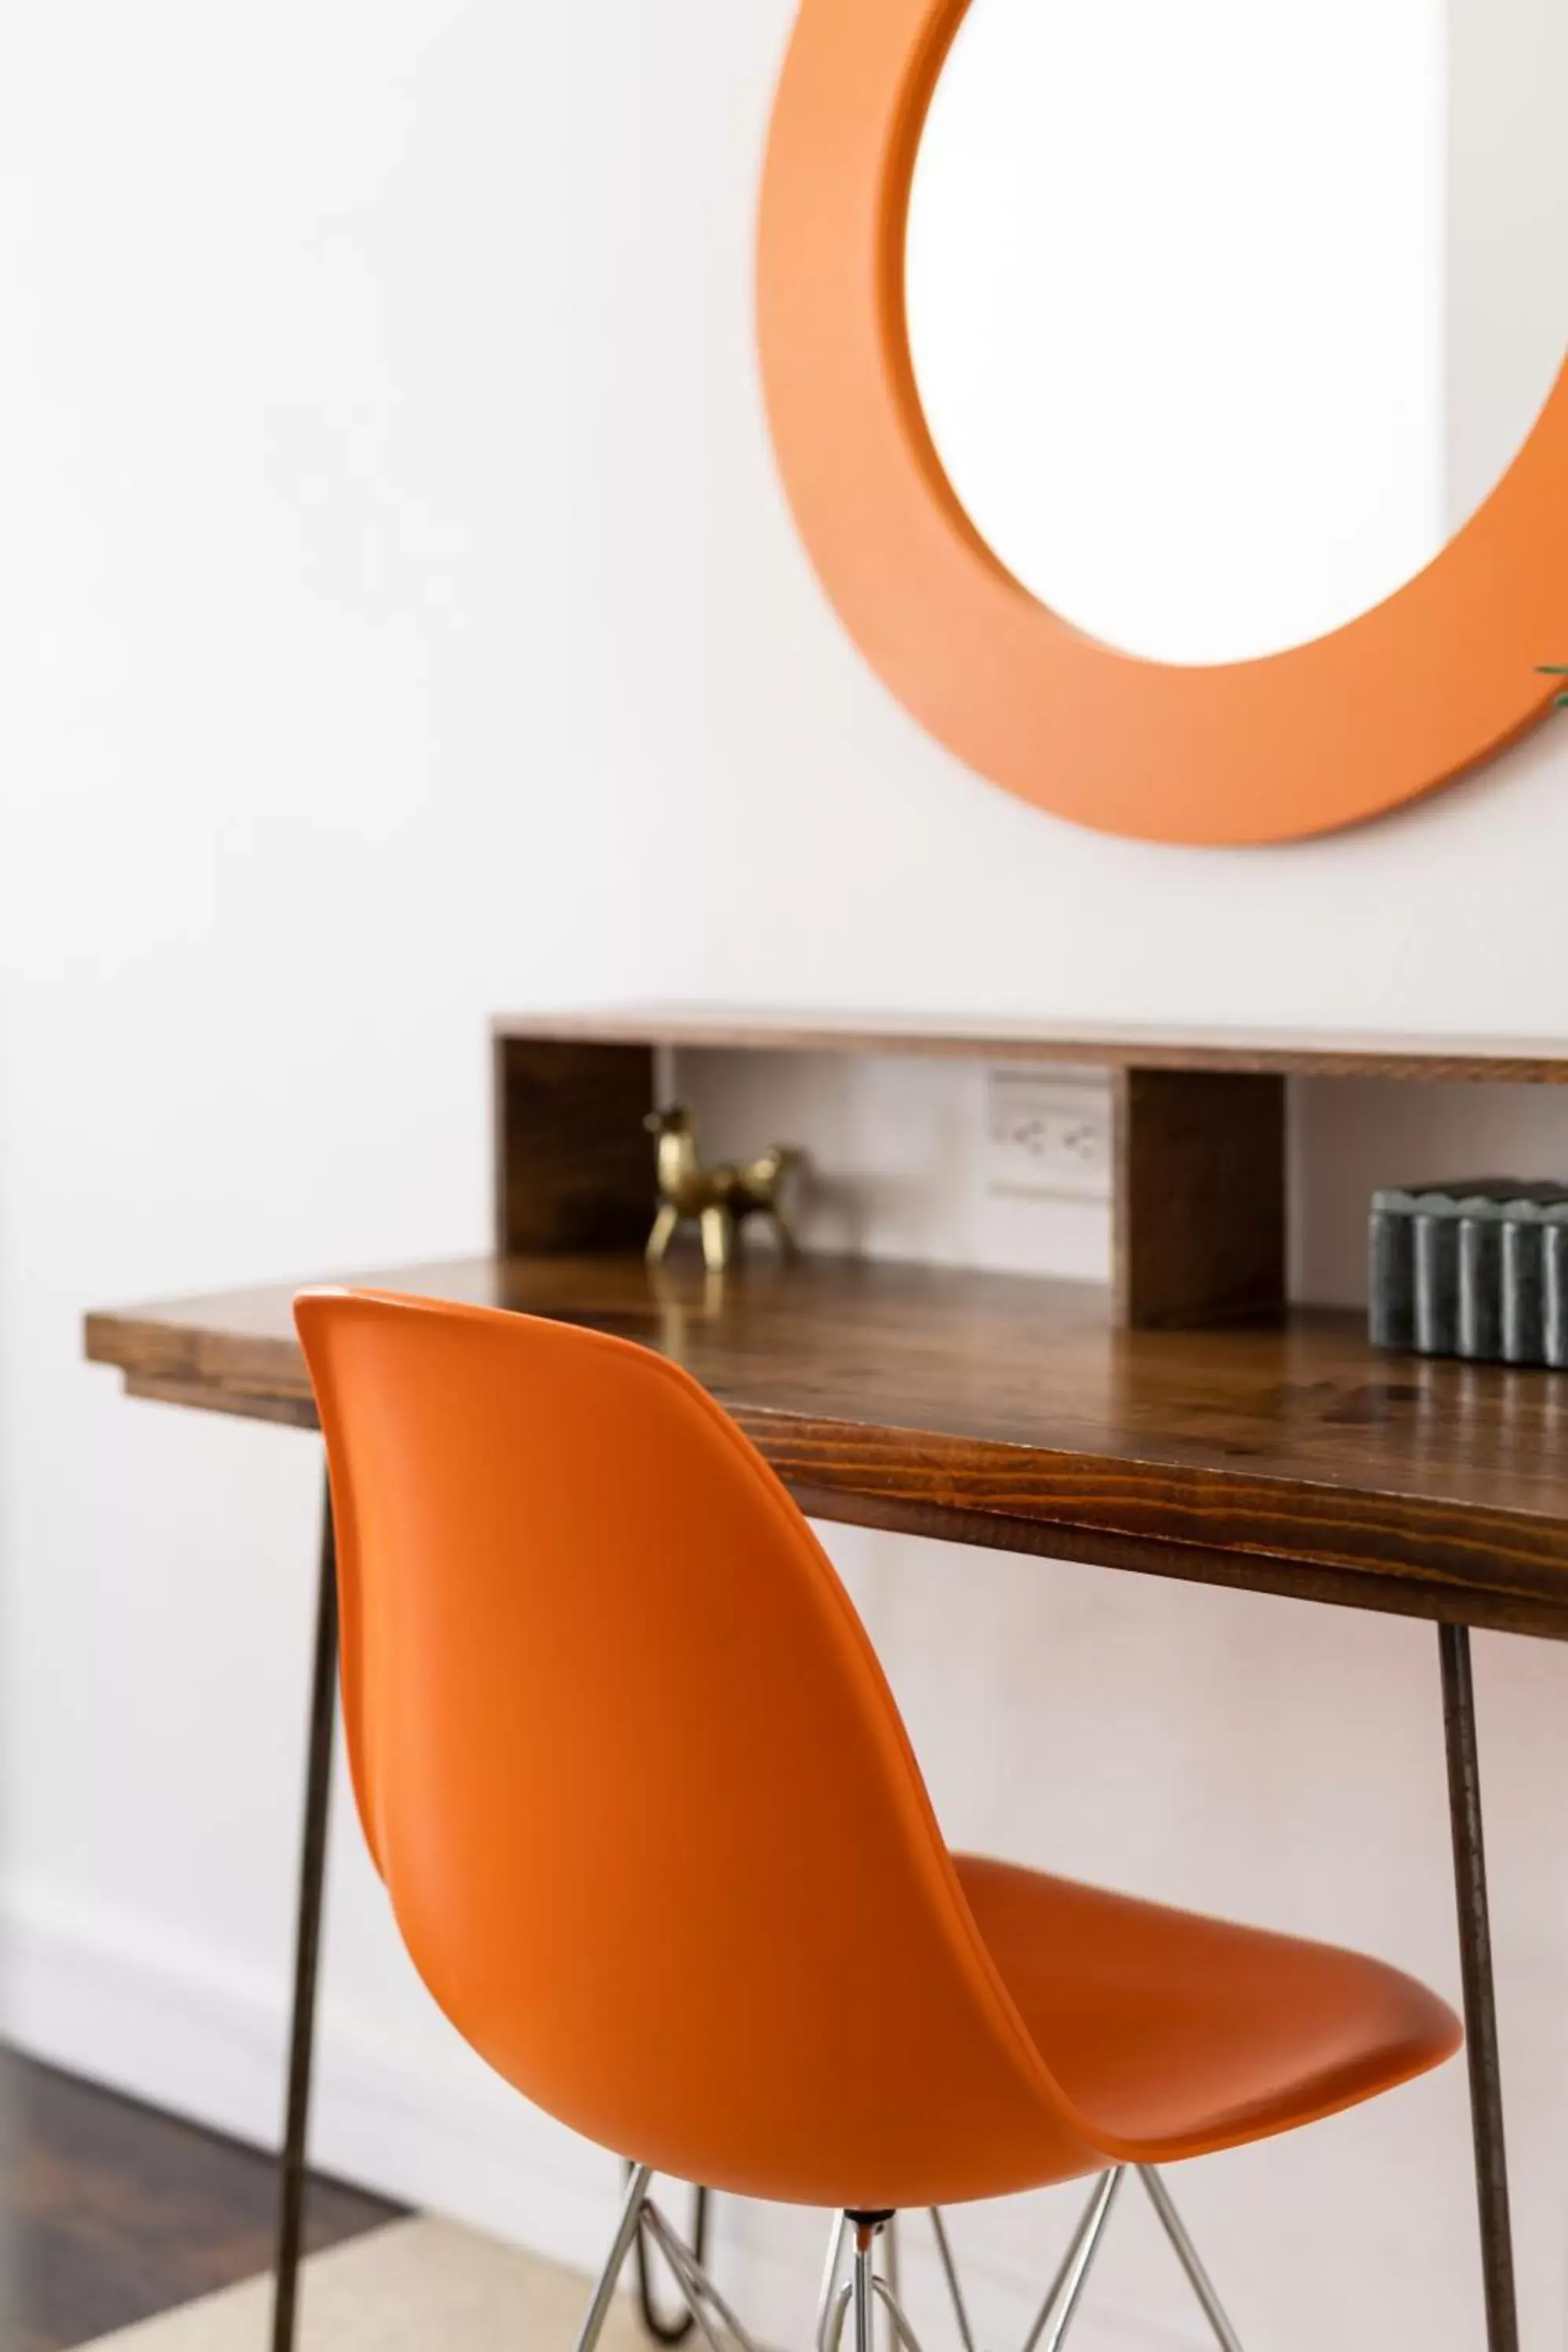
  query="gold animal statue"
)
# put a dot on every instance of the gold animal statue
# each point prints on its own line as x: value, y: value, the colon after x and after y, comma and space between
x: 718, y: 1200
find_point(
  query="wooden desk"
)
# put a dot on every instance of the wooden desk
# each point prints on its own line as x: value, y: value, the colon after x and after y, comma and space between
x: 1183, y: 1422
x: 1008, y: 1410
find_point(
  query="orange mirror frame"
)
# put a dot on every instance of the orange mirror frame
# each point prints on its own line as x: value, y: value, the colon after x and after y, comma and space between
x: 1427, y: 685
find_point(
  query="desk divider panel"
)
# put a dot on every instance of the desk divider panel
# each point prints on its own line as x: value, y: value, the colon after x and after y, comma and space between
x: 1200, y: 1210
x: 573, y: 1160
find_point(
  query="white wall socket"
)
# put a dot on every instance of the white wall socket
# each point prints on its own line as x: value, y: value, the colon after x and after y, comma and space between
x: 1047, y: 1134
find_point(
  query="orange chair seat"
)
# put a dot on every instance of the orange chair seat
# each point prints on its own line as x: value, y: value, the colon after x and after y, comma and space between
x: 1177, y: 2034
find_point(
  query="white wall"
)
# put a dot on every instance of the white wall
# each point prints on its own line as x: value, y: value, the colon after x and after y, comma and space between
x: 402, y: 622
x: 1507, y: 224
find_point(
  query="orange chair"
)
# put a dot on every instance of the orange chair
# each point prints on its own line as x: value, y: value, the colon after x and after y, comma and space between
x: 656, y: 1840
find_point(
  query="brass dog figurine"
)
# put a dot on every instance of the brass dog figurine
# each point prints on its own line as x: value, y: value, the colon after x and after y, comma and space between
x: 719, y: 1200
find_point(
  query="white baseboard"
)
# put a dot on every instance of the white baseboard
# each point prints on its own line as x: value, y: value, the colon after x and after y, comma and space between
x: 177, y: 2027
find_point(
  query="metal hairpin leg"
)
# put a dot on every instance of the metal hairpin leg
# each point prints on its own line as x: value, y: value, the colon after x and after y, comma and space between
x: 1480, y: 2002
x: 676, y: 2330
x: 307, y: 1940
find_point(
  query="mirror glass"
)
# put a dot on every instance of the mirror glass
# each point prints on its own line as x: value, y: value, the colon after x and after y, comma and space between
x: 1225, y: 314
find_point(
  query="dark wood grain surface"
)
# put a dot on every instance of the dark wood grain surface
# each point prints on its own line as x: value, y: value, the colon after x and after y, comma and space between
x: 1540, y: 1060
x: 112, y: 2212
x: 1199, y: 1218
x: 574, y: 1162
x: 1009, y: 1410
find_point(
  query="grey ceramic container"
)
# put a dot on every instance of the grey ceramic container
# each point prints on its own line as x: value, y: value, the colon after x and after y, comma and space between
x: 1476, y: 1269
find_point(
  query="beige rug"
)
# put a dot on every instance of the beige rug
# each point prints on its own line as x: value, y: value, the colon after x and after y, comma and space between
x: 415, y: 2287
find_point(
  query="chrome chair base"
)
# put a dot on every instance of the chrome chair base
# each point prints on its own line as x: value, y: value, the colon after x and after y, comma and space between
x: 1057, y: 2313
x: 1199, y: 2279
x: 867, y: 2289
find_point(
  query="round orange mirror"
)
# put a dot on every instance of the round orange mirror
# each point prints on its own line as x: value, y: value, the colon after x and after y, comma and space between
x: 1121, y: 715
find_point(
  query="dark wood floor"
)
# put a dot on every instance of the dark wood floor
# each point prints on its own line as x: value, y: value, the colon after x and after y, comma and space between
x: 111, y: 2211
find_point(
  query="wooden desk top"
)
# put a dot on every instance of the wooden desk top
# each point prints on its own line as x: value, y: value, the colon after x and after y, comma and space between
x: 1007, y: 1411
x: 1540, y: 1060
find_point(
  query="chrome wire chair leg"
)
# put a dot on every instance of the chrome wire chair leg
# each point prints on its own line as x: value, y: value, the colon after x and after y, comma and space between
x: 903, y: 2333
x: 627, y: 2228
x: 833, y: 2330
x: 700, y: 2315
x: 702, y: 2297
x: 950, y: 2272
x: 864, y: 2290
x: 1056, y: 2313
x: 655, y: 2324
x: 890, y: 2243
x: 1187, y: 2255
x: 831, y: 2305
x: 863, y: 2283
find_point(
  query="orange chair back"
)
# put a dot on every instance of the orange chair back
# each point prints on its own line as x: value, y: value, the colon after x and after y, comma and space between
x: 644, y: 1806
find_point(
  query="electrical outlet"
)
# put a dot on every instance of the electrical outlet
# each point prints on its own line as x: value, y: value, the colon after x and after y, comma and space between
x: 1048, y: 1135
